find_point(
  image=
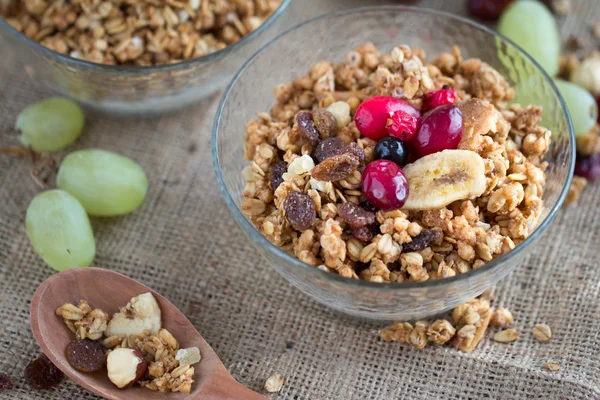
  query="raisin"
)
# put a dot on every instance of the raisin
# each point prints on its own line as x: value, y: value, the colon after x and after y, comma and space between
x: 355, y: 216
x: 300, y: 210
x: 366, y: 233
x: 367, y: 205
x: 328, y: 148
x: 355, y: 149
x: 42, y: 374
x: 86, y: 355
x: 325, y: 122
x: 336, y: 168
x: 307, y: 127
x: 421, y: 241
x: 5, y: 382
x: 277, y: 171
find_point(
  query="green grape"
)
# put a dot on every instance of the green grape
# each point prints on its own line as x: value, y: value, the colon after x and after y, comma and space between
x: 106, y: 184
x: 531, y: 25
x: 59, y: 230
x: 581, y: 105
x: 51, y: 124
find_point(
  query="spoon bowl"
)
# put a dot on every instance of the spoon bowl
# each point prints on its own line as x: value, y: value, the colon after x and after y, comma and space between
x: 108, y: 291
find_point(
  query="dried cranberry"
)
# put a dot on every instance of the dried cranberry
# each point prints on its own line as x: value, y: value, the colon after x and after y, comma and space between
x: 5, y: 382
x: 325, y: 122
x: 277, y: 171
x: 328, y: 148
x: 307, y: 127
x: 42, y: 374
x: 439, y: 129
x: 336, y: 168
x: 300, y: 210
x: 487, y: 10
x: 421, y: 241
x: 588, y: 167
x: 372, y: 115
x: 86, y: 355
x: 355, y: 216
x: 441, y: 97
x: 385, y: 185
x: 402, y: 125
x: 366, y: 233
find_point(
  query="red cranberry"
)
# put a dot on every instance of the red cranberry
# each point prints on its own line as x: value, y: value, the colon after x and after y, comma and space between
x: 402, y: 125
x: 487, y: 10
x: 372, y: 115
x: 598, y: 102
x: 384, y: 185
x: 588, y: 167
x: 439, y: 129
x: 441, y: 97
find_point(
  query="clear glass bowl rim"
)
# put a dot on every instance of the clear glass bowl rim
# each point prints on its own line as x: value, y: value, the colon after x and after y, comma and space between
x: 145, y: 69
x: 247, y: 226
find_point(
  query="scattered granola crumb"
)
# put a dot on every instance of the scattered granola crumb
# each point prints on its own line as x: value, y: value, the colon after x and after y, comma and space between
x: 552, y: 365
x: 561, y: 7
x: 542, y: 332
x: 506, y: 336
x: 577, y: 185
x: 502, y: 317
x: 274, y: 383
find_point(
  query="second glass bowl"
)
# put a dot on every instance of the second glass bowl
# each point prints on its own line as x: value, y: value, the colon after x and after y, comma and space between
x: 330, y: 37
x: 124, y: 89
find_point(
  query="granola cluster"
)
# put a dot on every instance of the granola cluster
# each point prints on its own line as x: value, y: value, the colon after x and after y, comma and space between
x: 317, y: 164
x: 169, y: 367
x: 136, y: 32
x: 463, y: 328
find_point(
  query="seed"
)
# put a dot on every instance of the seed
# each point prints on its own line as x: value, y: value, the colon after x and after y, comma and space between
x: 542, y: 332
x: 552, y: 365
x: 506, y: 336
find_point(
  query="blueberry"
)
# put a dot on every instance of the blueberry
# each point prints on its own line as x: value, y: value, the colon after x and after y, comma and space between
x: 392, y: 149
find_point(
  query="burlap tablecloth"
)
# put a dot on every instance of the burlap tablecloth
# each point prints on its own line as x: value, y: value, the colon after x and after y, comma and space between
x: 184, y: 244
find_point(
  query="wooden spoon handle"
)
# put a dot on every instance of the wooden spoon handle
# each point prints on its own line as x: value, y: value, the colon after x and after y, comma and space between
x: 224, y: 387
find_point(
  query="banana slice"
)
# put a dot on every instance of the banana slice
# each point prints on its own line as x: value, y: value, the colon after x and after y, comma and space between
x: 441, y: 178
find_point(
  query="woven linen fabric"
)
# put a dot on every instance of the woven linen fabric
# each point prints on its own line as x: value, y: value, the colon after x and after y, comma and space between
x: 184, y: 243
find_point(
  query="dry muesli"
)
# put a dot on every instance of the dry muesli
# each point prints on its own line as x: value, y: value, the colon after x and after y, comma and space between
x: 139, y: 349
x: 136, y: 32
x: 343, y: 177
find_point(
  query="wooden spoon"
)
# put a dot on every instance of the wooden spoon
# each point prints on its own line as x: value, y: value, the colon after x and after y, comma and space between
x: 108, y: 291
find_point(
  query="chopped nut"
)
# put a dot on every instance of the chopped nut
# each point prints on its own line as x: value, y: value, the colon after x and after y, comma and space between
x: 542, y: 332
x: 552, y: 365
x: 506, y: 336
x: 274, y: 383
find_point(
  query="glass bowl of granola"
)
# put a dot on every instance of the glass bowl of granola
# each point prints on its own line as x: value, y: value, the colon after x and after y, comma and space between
x: 384, y: 183
x: 136, y: 57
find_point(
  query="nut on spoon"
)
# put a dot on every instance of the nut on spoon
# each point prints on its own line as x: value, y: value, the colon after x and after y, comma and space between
x: 109, y: 290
